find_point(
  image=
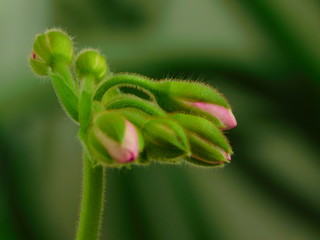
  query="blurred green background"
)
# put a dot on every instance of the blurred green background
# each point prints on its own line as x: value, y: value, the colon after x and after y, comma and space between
x: 265, y: 57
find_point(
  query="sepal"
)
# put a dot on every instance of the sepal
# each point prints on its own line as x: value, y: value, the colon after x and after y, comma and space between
x: 165, y: 139
x: 208, y: 144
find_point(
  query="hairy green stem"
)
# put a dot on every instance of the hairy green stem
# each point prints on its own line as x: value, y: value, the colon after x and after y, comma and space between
x: 85, y: 104
x: 92, y: 201
x: 124, y: 80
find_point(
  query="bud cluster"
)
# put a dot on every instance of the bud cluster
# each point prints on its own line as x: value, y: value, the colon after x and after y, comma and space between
x: 167, y: 121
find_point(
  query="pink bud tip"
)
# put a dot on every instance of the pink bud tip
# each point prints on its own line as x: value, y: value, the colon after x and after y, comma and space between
x: 130, y: 144
x: 227, y: 156
x: 124, y: 152
x: 33, y: 55
x: 224, y: 115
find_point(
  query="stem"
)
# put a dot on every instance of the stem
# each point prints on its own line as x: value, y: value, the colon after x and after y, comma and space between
x: 124, y: 79
x: 85, y: 104
x: 92, y: 201
x: 127, y: 101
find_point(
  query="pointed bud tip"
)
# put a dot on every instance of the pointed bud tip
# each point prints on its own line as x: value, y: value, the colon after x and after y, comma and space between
x: 39, y: 67
x: 130, y: 144
x: 224, y: 115
x: 33, y: 55
x: 130, y: 157
x: 226, y: 155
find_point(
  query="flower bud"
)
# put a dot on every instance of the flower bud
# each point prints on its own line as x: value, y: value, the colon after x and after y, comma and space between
x: 91, y: 63
x: 205, y: 153
x: 113, y: 140
x: 196, y: 98
x: 208, y: 145
x: 50, y: 48
x: 224, y: 115
x: 165, y: 139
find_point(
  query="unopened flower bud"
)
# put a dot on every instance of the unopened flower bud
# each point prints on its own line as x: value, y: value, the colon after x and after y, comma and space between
x: 113, y: 140
x: 165, y: 139
x: 50, y: 48
x: 197, y: 98
x: 223, y: 114
x: 208, y: 145
x: 205, y: 153
x: 91, y: 63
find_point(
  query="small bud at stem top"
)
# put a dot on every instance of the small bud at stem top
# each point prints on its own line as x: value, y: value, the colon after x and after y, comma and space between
x: 52, y: 48
x: 91, y: 63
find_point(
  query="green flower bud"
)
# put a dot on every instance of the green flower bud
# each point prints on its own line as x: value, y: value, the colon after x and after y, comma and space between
x: 209, y: 147
x: 196, y: 98
x: 113, y: 140
x: 195, y: 91
x: 204, y: 152
x: 165, y: 139
x: 52, y: 47
x: 91, y: 63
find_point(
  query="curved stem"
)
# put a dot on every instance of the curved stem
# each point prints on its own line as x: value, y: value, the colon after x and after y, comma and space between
x: 128, y: 101
x: 92, y: 201
x: 124, y: 79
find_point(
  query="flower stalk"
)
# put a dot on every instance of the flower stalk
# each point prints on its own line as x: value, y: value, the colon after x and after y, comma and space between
x: 94, y: 181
